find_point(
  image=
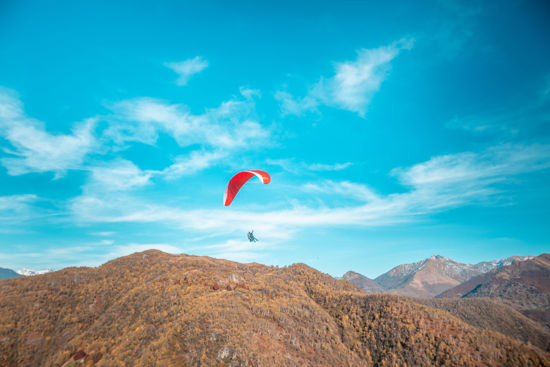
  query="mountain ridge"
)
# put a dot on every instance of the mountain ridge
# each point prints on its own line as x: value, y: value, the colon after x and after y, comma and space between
x: 8, y: 273
x: 523, y: 285
x: 431, y: 276
x: 153, y: 308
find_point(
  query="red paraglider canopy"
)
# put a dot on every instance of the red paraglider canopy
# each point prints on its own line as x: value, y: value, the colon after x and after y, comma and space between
x: 239, y: 180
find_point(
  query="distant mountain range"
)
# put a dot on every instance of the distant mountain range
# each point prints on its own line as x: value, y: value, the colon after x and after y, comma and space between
x: 8, y: 273
x: 152, y: 308
x: 427, y: 278
x: 523, y: 285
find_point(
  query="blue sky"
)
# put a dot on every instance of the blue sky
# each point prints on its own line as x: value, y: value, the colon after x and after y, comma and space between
x: 391, y: 131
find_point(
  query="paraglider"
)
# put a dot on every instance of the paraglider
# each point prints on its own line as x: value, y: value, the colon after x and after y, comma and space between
x: 235, y: 185
x: 251, y: 237
x: 239, y: 180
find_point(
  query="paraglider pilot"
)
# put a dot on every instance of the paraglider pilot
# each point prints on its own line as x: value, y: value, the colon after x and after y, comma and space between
x: 251, y: 237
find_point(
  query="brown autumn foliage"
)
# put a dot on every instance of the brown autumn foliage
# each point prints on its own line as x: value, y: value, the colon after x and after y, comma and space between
x: 524, y: 285
x: 155, y: 309
x: 492, y: 315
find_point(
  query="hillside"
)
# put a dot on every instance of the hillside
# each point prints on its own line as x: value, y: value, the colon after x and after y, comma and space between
x: 487, y: 314
x: 426, y: 278
x: 366, y: 284
x: 155, y: 309
x: 8, y: 273
x: 434, y: 275
x: 523, y: 285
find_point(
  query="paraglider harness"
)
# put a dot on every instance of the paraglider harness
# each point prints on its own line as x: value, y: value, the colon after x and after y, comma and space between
x: 251, y: 237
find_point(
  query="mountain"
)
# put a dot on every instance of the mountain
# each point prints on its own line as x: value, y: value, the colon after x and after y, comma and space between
x: 29, y: 272
x: 436, y: 274
x: 156, y: 309
x: 524, y: 285
x: 426, y: 278
x: 486, y: 266
x: 7, y: 273
x: 488, y: 314
x: 367, y: 285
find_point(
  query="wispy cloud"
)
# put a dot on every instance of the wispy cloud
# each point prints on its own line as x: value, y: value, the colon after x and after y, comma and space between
x: 454, y: 27
x: 231, y: 125
x: 15, y: 207
x: 438, y: 184
x: 495, y: 164
x: 118, y: 175
x: 103, y: 234
x: 195, y: 162
x: 328, y: 167
x: 511, y: 122
x: 291, y: 105
x: 16, y: 210
x: 353, y: 84
x: 186, y: 69
x: 36, y: 150
x: 343, y: 188
x: 294, y: 166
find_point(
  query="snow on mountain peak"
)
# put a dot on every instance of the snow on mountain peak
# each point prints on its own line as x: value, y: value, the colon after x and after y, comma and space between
x: 29, y: 272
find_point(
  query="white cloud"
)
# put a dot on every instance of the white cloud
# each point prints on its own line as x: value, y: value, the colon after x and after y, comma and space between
x: 197, y: 161
x: 440, y: 183
x: 352, y: 86
x: 103, y: 234
x: 454, y: 26
x: 15, y: 210
x: 118, y: 175
x: 231, y: 125
x: 529, y: 118
x: 355, y: 82
x: 186, y: 69
x: 296, y: 167
x: 495, y: 164
x: 343, y: 188
x: 291, y: 105
x: 484, y: 124
x: 35, y: 149
x: 218, y: 131
x: 328, y: 167
x: 16, y: 203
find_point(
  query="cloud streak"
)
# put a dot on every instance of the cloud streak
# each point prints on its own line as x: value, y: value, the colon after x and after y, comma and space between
x: 296, y: 167
x: 186, y: 69
x: 231, y: 125
x: 438, y: 184
x: 352, y: 86
x: 36, y: 150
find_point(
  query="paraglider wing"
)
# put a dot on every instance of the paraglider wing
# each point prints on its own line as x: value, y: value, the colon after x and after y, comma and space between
x: 239, y: 180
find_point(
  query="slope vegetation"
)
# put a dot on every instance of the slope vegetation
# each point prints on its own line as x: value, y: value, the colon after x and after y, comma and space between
x: 364, y: 283
x: 155, y: 309
x: 523, y: 285
x: 488, y: 314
